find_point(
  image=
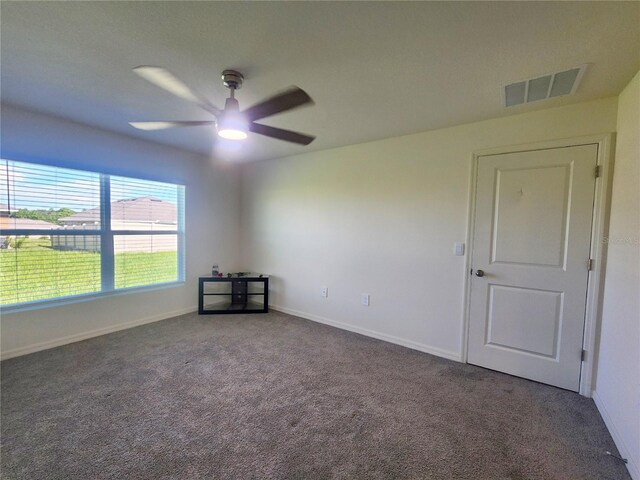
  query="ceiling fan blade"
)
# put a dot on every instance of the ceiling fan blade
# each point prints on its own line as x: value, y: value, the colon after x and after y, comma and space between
x: 165, y: 125
x: 281, y: 134
x: 292, y: 98
x: 166, y: 80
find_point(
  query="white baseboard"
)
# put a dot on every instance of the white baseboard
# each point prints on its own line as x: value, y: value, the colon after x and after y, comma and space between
x: 57, y: 342
x: 632, y: 466
x: 372, y: 333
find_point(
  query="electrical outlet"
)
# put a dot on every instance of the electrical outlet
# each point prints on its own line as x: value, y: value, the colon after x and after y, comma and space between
x: 324, y: 292
x: 364, y: 299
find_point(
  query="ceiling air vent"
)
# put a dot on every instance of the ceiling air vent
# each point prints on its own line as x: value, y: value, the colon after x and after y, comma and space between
x: 543, y: 87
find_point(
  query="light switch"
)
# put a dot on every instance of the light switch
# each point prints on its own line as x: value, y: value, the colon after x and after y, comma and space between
x: 458, y: 249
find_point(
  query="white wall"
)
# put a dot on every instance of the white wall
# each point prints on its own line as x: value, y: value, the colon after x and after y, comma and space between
x: 381, y: 218
x: 618, y: 376
x: 212, y: 212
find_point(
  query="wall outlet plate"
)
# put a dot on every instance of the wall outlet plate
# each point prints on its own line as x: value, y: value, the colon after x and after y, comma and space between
x: 324, y: 292
x: 364, y: 299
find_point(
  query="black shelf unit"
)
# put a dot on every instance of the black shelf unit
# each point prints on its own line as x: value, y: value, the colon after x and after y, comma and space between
x: 238, y: 293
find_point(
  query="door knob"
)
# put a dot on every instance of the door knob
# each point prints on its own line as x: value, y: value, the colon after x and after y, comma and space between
x: 479, y: 273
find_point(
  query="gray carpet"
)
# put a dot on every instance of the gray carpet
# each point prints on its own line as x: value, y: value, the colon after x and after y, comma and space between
x: 275, y: 396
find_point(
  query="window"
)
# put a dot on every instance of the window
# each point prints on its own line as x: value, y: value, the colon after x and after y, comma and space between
x: 69, y: 232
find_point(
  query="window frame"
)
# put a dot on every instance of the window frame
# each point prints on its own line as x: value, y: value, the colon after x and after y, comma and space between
x: 106, y: 235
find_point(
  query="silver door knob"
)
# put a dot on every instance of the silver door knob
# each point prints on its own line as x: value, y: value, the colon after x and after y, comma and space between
x: 479, y: 273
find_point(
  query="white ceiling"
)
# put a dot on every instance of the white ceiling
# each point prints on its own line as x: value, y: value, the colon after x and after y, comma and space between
x: 375, y: 69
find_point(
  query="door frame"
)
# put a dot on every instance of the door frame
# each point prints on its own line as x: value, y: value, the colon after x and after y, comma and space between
x: 599, y: 230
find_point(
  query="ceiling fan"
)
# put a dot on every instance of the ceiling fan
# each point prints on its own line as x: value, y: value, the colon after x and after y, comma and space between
x: 230, y: 122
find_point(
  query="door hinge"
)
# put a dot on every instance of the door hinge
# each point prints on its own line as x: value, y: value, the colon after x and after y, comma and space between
x: 597, y: 171
x: 583, y: 355
x: 590, y: 264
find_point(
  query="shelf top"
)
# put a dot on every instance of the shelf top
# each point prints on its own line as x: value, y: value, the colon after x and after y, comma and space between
x: 238, y: 276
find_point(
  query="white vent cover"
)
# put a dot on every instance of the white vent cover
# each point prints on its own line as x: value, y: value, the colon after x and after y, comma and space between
x: 543, y: 87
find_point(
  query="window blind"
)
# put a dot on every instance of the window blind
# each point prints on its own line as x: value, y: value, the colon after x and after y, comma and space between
x: 66, y: 232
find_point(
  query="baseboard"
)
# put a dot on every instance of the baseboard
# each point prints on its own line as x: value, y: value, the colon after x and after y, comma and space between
x: 371, y: 333
x: 632, y: 466
x: 17, y: 352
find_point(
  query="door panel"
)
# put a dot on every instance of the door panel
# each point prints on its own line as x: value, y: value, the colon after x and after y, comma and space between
x: 531, y: 215
x: 532, y: 239
x: 509, y: 312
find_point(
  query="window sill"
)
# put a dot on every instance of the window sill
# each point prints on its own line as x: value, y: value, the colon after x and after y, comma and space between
x: 60, y: 301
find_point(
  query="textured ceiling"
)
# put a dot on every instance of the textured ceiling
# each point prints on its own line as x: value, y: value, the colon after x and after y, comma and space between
x: 375, y: 69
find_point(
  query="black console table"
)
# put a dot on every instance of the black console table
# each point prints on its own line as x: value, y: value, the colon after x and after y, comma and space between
x: 238, y: 293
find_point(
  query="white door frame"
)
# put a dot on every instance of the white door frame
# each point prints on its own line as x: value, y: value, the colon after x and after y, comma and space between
x: 599, y: 229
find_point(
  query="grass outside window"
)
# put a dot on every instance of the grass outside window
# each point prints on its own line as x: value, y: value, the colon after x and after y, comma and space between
x: 35, y: 271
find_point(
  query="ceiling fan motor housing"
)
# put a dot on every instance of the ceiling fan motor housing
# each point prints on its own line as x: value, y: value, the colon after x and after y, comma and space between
x: 231, y: 105
x: 232, y: 79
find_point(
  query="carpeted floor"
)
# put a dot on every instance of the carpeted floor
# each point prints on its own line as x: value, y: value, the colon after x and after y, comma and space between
x: 275, y: 396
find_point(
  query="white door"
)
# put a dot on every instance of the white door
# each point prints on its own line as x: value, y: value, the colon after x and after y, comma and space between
x: 531, y: 245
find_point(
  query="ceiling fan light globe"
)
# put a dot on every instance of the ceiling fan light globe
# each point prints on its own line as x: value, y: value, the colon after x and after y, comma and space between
x: 233, y: 126
x: 232, y: 134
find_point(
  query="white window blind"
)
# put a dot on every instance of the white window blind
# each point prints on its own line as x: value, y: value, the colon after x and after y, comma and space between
x: 67, y: 232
